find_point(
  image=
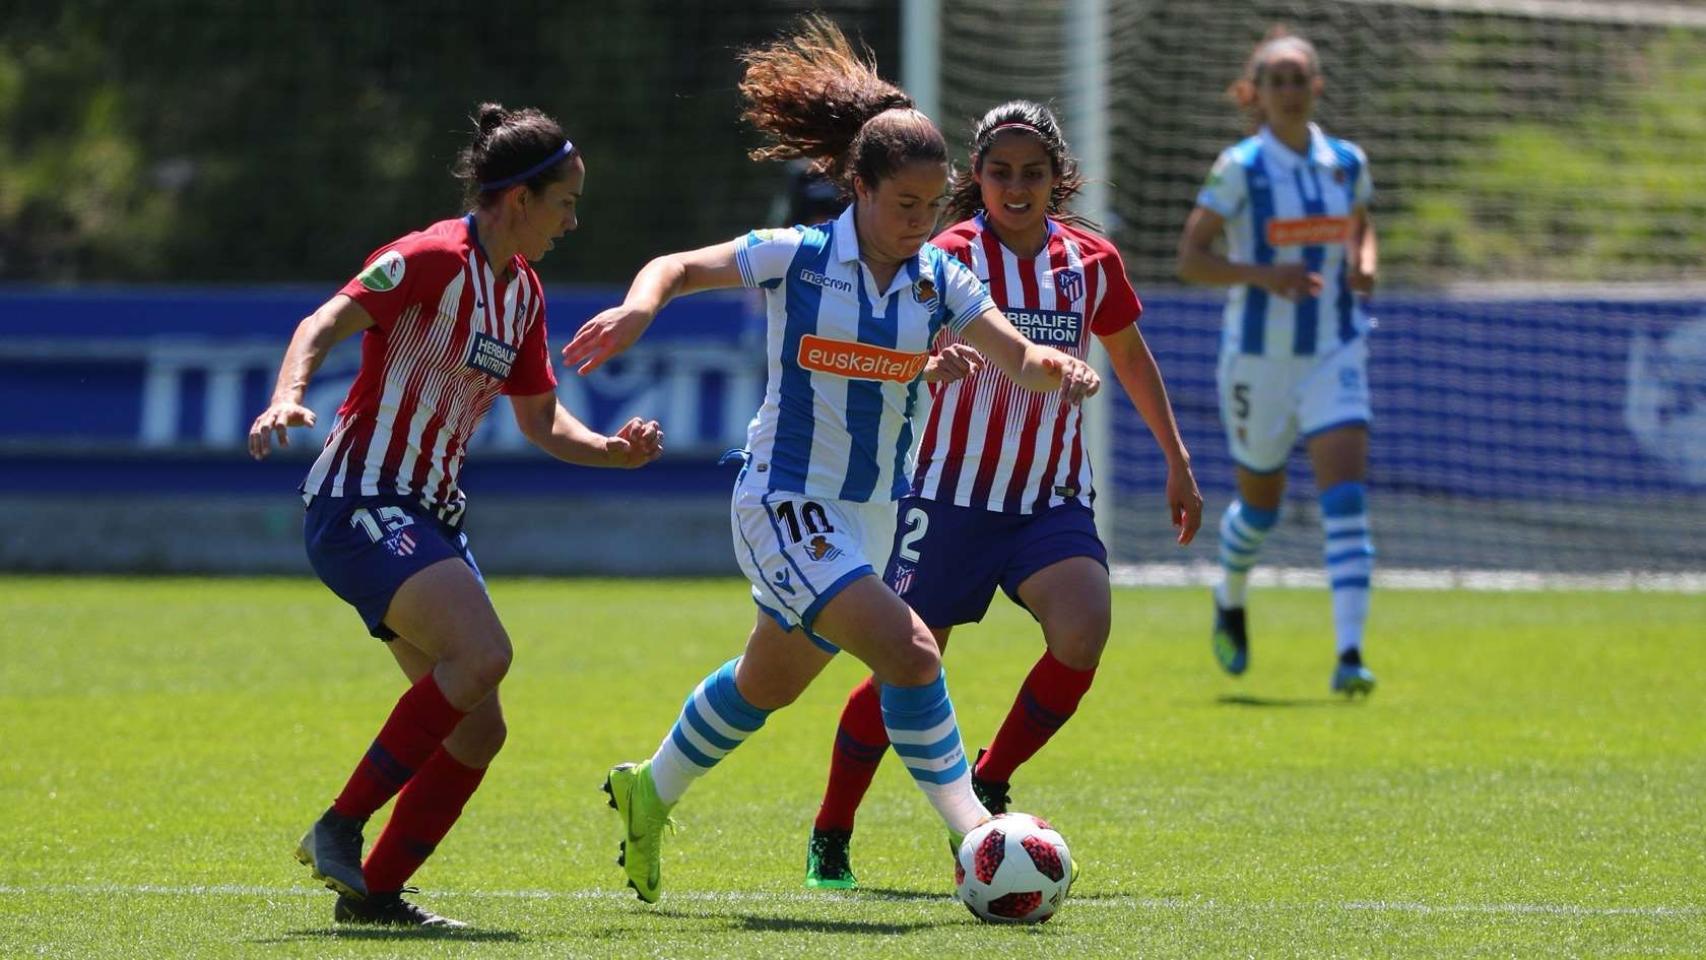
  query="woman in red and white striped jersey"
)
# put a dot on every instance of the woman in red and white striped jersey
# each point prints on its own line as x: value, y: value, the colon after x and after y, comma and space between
x: 1002, y: 493
x: 451, y: 317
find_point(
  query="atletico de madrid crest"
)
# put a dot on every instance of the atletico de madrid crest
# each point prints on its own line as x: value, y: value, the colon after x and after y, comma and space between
x: 1070, y: 284
x: 400, y: 543
x: 903, y: 579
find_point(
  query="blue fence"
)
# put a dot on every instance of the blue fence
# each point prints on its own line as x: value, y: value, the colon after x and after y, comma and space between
x: 1566, y: 399
x: 151, y: 390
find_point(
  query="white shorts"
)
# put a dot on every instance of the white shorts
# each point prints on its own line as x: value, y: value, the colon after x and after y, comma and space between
x: 1267, y: 402
x: 800, y: 551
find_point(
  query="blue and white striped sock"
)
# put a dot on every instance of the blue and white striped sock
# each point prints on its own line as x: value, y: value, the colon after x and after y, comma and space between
x: 1242, y: 530
x: 1350, y: 559
x: 926, y: 736
x: 714, y: 720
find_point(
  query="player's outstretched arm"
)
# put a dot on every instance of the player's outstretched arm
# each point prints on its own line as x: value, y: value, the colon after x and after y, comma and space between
x: 658, y: 282
x: 548, y: 426
x: 1030, y: 365
x: 337, y: 319
x: 1134, y: 365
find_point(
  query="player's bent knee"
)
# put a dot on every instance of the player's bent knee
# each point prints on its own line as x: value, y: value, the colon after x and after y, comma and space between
x: 485, y: 665
x: 914, y: 664
x: 1081, y: 650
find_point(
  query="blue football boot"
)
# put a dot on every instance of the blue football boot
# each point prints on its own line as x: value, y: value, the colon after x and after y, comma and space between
x: 1230, y: 640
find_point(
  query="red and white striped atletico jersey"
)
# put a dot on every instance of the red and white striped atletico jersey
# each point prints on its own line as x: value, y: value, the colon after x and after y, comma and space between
x: 449, y: 335
x: 990, y: 443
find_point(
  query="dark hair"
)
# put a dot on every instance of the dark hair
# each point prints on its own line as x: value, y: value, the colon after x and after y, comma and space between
x: 506, y: 143
x: 1035, y: 120
x: 817, y: 98
x: 1278, y: 39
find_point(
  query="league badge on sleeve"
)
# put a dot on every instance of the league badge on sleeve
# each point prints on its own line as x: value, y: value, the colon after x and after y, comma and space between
x: 383, y: 274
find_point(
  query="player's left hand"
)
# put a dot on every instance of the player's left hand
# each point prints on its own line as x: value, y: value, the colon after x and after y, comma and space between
x: 638, y: 443
x: 1184, y: 501
x: 955, y: 362
x: 1077, y: 378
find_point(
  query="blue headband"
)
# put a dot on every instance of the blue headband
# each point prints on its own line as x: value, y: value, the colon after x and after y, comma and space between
x: 563, y: 151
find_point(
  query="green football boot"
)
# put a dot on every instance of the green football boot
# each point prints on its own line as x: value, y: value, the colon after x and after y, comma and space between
x: 827, y: 863
x: 644, y: 818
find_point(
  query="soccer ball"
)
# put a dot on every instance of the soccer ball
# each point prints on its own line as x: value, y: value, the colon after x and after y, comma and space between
x: 1014, y: 868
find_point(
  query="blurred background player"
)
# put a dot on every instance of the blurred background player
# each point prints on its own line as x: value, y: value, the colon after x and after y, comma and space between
x: 451, y: 317
x: 808, y: 198
x: 1002, y: 493
x: 1292, y: 203
x: 853, y: 307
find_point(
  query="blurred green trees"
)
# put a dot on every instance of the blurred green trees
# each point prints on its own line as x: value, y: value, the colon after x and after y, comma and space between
x: 271, y: 140
x: 268, y: 140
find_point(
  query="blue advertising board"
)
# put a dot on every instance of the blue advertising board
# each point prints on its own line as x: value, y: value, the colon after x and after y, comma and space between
x: 152, y: 390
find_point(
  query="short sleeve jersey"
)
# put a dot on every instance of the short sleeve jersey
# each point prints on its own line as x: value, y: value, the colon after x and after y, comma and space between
x: 450, y: 334
x: 989, y: 443
x: 845, y: 358
x: 1284, y: 207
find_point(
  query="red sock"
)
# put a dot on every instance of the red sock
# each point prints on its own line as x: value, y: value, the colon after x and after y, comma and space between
x: 417, y: 725
x: 1047, y: 699
x: 425, y: 811
x: 860, y: 742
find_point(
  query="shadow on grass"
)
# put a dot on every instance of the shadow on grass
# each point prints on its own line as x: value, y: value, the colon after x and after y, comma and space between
x: 1247, y: 700
x: 466, y: 934
x: 896, y: 893
x: 770, y: 923
x: 759, y: 924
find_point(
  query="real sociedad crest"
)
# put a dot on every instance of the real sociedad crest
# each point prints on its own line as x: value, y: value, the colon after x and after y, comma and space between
x: 924, y: 291
x: 1070, y: 284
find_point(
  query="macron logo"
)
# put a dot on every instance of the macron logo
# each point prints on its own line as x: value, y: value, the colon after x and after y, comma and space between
x: 859, y: 361
x: 819, y: 280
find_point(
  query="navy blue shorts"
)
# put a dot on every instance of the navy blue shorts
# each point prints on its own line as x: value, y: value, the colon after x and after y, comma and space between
x: 365, y: 547
x: 948, y: 560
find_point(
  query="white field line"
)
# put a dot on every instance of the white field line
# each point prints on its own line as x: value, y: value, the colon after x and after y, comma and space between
x: 707, y: 897
x: 1204, y: 574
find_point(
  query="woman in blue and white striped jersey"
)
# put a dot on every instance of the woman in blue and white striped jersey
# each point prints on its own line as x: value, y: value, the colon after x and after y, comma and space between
x: 1292, y: 205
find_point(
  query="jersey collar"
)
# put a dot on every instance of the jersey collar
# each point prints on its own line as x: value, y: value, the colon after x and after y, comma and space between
x: 846, y: 237
x: 1319, y: 152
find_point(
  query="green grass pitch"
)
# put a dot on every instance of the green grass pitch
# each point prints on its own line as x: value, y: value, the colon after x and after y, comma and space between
x: 1528, y: 781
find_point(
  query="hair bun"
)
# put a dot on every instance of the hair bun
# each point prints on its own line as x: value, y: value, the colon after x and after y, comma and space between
x: 489, y: 117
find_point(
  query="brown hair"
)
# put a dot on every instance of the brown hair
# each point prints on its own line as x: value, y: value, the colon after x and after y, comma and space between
x: 1278, y: 39
x: 506, y: 143
x: 1039, y: 121
x: 817, y: 98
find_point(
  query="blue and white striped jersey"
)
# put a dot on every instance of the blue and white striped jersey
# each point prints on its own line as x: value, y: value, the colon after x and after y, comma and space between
x: 1280, y: 207
x: 845, y: 358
